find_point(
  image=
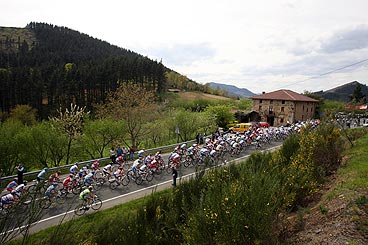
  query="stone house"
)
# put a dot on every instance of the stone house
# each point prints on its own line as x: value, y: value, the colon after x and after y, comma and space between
x: 283, y: 106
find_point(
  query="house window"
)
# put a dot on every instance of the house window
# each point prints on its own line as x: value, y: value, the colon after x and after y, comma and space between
x: 281, y: 120
x: 307, y: 109
x: 283, y: 102
x: 282, y: 109
x: 260, y: 101
x: 271, y: 101
x: 260, y: 108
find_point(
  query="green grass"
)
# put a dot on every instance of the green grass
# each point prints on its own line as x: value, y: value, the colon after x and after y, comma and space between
x: 354, y: 175
x: 84, y: 227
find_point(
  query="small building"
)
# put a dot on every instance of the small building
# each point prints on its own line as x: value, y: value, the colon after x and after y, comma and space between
x: 282, y: 106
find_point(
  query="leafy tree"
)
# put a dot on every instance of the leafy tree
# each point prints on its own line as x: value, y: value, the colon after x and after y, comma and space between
x: 133, y: 104
x: 10, y: 145
x: 24, y: 113
x: 222, y: 113
x: 98, y: 134
x: 36, y: 144
x: 71, y: 123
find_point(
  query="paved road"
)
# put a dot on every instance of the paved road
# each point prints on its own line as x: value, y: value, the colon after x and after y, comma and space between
x: 57, y: 213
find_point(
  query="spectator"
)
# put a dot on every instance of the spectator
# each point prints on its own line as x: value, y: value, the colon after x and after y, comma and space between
x: 175, y: 175
x: 20, y: 172
x: 131, y: 152
x: 197, y: 138
x: 125, y: 153
x: 119, y: 151
x: 112, y: 155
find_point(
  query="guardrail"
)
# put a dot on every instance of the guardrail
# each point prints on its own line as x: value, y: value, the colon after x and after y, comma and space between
x: 65, y: 168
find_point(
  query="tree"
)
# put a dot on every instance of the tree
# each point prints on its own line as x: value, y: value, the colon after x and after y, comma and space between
x: 133, y: 104
x: 222, y: 113
x: 24, y: 113
x: 357, y: 97
x: 10, y: 150
x: 70, y: 122
x: 98, y: 134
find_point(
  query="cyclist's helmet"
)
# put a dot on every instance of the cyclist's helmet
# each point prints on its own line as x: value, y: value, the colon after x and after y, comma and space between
x: 195, y: 145
x: 46, y: 169
x: 15, y: 179
x: 92, y: 172
x: 54, y: 184
x: 90, y: 188
x: 71, y: 175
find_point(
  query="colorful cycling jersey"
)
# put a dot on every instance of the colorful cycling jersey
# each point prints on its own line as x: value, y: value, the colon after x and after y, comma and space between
x: 136, y: 163
x: 88, y: 176
x: 19, y: 188
x: 143, y: 168
x: 67, y: 180
x: 84, y: 194
x: 107, y: 168
x: 140, y: 153
x: 203, y: 151
x: 73, y: 169
x: 49, y: 190
x: 6, y: 199
x: 190, y: 149
x: 174, y: 155
x: 118, y: 173
x: 41, y: 175
x: 12, y: 185
x: 213, y: 153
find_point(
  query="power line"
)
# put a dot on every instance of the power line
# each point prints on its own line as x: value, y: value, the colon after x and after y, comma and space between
x: 330, y: 72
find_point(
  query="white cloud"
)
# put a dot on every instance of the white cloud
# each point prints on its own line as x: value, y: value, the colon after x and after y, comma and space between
x: 260, y: 45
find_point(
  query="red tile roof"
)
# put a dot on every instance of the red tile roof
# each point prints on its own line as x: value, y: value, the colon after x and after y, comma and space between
x: 284, y: 94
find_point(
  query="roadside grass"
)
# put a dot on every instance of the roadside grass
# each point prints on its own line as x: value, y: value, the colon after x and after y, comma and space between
x: 354, y: 174
x: 84, y: 228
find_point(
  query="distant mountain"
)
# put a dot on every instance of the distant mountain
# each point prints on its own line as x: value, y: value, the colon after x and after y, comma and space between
x: 233, y: 90
x: 343, y: 92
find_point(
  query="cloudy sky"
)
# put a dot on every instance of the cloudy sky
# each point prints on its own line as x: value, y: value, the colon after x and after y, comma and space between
x: 260, y: 45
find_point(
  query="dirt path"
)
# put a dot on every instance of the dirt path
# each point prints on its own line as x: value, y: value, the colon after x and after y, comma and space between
x: 340, y: 219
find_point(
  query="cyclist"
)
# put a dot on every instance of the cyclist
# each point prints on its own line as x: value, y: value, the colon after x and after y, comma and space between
x: 51, y: 190
x: 175, y: 158
x: 141, y: 153
x: 54, y: 178
x: 20, y: 189
x: 136, y: 164
x: 89, y: 178
x: 67, y: 182
x: 7, y: 199
x: 41, y: 175
x: 12, y: 185
x: 95, y: 165
x: 148, y: 159
x: 83, y: 172
x: 86, y: 196
x: 118, y: 174
x: 107, y: 170
x: 74, y: 169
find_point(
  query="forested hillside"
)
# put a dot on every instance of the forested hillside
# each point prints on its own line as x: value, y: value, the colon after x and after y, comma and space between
x: 47, y: 66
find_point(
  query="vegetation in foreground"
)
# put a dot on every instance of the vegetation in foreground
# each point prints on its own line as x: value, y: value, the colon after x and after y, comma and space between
x: 238, y: 204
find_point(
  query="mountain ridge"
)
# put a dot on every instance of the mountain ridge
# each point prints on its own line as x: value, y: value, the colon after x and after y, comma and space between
x: 232, y: 90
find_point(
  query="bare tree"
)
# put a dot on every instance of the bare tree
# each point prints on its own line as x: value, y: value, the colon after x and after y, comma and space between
x: 133, y: 104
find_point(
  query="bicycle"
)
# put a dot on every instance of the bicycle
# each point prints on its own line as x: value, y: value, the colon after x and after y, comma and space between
x: 56, y: 197
x: 95, y: 204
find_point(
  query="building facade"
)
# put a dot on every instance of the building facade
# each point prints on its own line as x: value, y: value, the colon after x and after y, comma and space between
x: 283, y: 106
